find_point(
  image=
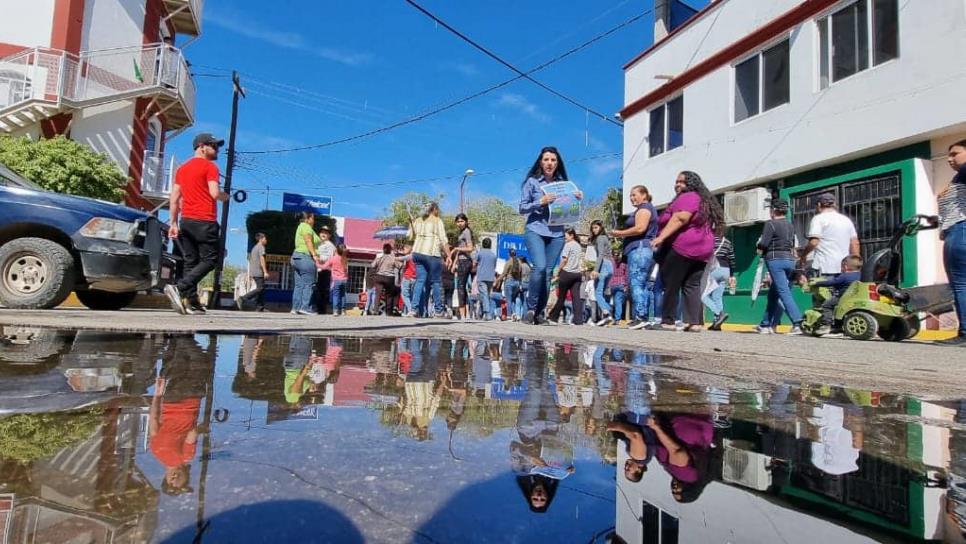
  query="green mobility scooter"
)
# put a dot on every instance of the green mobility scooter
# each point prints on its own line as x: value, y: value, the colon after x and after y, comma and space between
x: 875, y: 305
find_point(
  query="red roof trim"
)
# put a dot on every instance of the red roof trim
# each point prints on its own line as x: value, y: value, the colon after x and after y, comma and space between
x: 758, y: 38
x: 691, y: 20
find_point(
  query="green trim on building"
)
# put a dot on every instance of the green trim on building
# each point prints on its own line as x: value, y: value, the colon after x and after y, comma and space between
x: 739, y: 305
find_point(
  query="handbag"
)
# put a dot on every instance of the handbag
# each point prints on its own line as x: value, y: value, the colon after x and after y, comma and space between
x: 713, y: 264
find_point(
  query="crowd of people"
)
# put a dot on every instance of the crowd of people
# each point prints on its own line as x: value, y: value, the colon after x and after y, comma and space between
x: 671, y: 265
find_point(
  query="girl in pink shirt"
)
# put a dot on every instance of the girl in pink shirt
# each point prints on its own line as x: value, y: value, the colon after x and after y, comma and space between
x: 339, y: 265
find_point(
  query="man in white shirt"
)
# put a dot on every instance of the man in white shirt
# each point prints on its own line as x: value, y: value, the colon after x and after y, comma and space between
x: 831, y: 236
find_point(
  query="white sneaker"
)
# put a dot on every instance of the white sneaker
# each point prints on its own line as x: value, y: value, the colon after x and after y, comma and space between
x: 174, y: 297
x: 763, y: 330
x: 607, y: 320
x: 796, y: 331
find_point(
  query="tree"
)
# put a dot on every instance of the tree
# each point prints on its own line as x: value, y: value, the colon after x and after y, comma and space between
x: 279, y: 227
x: 608, y: 210
x: 64, y: 166
x: 411, y: 204
x: 493, y: 214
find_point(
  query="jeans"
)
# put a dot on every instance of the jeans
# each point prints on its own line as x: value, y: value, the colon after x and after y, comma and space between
x: 408, y: 289
x: 337, y: 293
x: 780, y: 294
x: 486, y: 301
x: 603, y: 278
x: 199, y: 247
x: 954, y: 260
x: 713, y: 300
x: 305, y: 276
x: 544, y: 253
x: 428, y: 277
x: 639, y: 263
x: 618, y: 296
x: 511, y: 292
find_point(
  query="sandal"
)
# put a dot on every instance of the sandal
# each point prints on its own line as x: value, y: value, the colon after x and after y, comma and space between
x: 693, y: 328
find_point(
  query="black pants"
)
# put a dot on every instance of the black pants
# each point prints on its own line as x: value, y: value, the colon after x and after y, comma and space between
x: 569, y: 281
x: 258, y: 295
x: 323, y: 298
x: 199, y: 246
x: 463, y: 268
x: 387, y: 285
x: 681, y: 277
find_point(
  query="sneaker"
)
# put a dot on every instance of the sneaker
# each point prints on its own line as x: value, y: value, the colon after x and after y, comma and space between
x: 718, y: 321
x: 194, y: 306
x: 549, y: 322
x: 957, y: 341
x: 636, y: 324
x: 174, y: 297
x: 823, y: 330
x: 295, y: 312
x: 763, y: 330
x: 796, y: 331
x: 607, y: 320
x: 529, y: 318
x: 307, y: 312
x: 240, y: 304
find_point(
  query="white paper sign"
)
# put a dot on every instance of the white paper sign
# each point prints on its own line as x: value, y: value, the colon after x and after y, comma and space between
x: 565, y: 209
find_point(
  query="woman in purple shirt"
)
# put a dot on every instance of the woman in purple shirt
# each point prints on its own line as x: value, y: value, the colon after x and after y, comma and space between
x: 688, y: 239
x: 544, y: 242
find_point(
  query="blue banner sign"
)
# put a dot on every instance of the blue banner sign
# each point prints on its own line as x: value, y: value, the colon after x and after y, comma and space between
x: 293, y: 202
x: 506, y: 242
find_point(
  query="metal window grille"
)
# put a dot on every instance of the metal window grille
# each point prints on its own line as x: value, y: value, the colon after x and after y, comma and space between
x: 357, y: 278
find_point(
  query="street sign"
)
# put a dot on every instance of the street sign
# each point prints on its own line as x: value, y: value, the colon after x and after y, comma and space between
x: 294, y: 202
x: 506, y: 242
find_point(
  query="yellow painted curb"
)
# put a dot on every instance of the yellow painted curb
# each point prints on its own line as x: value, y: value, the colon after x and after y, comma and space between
x: 923, y: 335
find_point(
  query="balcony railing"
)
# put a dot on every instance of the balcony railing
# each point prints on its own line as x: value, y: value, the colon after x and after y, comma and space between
x: 185, y: 15
x: 156, y: 175
x: 100, y: 76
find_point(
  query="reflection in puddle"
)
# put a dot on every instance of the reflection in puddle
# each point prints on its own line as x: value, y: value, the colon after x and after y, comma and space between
x: 109, y: 437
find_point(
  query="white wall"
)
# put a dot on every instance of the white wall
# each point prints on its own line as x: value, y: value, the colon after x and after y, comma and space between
x: 107, y: 129
x: 911, y: 99
x: 112, y: 23
x: 27, y: 22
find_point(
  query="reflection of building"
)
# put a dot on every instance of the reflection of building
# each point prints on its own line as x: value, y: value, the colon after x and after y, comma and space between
x: 799, y: 98
x: 104, y: 73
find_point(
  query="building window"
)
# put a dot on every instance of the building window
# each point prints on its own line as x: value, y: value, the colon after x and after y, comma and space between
x: 667, y: 126
x: 873, y: 204
x: 357, y: 278
x: 862, y: 34
x: 762, y: 82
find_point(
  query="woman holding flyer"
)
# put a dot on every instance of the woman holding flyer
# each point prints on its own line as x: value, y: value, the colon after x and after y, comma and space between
x: 543, y: 234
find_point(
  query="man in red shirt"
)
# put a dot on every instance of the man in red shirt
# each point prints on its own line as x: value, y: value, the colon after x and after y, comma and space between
x: 194, y: 201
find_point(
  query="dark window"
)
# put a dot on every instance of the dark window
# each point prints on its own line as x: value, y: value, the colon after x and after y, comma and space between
x: 656, y: 134
x: 885, y: 25
x: 651, y: 519
x: 746, y: 89
x: 675, y: 123
x: 775, y: 76
x: 669, y: 528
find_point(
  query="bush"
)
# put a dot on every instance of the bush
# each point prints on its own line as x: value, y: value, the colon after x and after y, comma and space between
x: 27, y: 437
x: 64, y: 166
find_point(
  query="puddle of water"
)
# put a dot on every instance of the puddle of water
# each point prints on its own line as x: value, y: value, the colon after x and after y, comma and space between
x: 108, y: 437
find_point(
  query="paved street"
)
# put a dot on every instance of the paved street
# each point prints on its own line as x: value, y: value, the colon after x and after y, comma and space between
x: 916, y: 368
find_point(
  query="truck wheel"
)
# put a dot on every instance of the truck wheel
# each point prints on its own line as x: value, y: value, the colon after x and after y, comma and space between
x: 35, y: 273
x: 897, y: 331
x: 29, y: 345
x: 105, y: 300
x: 860, y: 325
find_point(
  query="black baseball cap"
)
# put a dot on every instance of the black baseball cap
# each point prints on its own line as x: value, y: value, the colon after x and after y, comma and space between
x: 206, y: 138
x: 826, y: 199
x: 778, y: 204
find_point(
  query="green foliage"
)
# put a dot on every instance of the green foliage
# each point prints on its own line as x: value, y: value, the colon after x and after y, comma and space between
x: 64, y: 166
x: 228, y: 275
x: 608, y: 210
x: 280, y: 227
x: 492, y: 214
x: 409, y: 205
x: 27, y: 437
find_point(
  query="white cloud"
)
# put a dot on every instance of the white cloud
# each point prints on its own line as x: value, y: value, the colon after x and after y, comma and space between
x: 465, y: 69
x: 521, y: 104
x: 284, y: 39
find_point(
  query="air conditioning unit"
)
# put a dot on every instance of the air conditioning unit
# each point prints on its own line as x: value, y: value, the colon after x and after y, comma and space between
x: 745, y: 468
x: 745, y: 207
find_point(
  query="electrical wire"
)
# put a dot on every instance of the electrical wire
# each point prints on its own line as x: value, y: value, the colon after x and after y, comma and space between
x: 521, y: 73
x: 454, y: 103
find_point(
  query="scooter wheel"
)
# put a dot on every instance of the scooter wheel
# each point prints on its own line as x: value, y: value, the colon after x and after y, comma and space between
x: 860, y: 325
x: 897, y: 331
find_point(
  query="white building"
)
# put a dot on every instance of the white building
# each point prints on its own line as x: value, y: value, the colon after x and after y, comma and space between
x: 102, y: 72
x: 800, y: 97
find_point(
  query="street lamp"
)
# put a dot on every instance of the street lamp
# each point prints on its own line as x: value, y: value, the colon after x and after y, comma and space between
x: 469, y: 172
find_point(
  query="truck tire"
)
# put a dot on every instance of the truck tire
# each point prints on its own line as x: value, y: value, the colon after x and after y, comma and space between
x: 105, y: 300
x: 31, y: 345
x: 897, y: 331
x: 860, y: 325
x: 35, y: 273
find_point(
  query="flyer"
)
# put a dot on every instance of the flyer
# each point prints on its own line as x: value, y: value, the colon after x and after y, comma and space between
x: 565, y: 209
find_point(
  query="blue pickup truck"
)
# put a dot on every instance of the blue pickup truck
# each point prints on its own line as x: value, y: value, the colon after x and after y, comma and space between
x: 52, y: 244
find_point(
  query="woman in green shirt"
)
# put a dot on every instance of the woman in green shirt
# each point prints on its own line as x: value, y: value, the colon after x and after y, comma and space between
x: 304, y: 260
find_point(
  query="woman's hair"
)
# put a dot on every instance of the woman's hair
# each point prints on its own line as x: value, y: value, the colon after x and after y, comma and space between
x: 305, y: 216
x: 431, y: 209
x: 571, y: 232
x: 597, y: 223
x: 527, y: 482
x: 961, y: 143
x: 710, y: 208
x: 536, y: 170
x: 341, y: 251
x: 642, y: 189
x: 461, y: 216
x: 386, y: 249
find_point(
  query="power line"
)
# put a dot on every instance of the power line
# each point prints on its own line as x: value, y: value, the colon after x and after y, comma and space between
x: 454, y: 103
x: 497, y: 58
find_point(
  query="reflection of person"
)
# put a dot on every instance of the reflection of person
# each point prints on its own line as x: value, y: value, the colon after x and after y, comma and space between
x: 173, y: 417
x: 309, y: 386
x: 639, y: 452
x: 683, y: 448
x: 544, y: 242
x: 541, y: 458
x: 422, y: 390
x: 952, y: 209
x: 687, y: 229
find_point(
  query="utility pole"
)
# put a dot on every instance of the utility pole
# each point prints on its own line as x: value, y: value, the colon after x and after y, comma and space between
x: 222, y: 236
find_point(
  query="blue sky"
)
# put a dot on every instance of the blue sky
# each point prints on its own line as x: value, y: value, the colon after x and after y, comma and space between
x: 320, y: 71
